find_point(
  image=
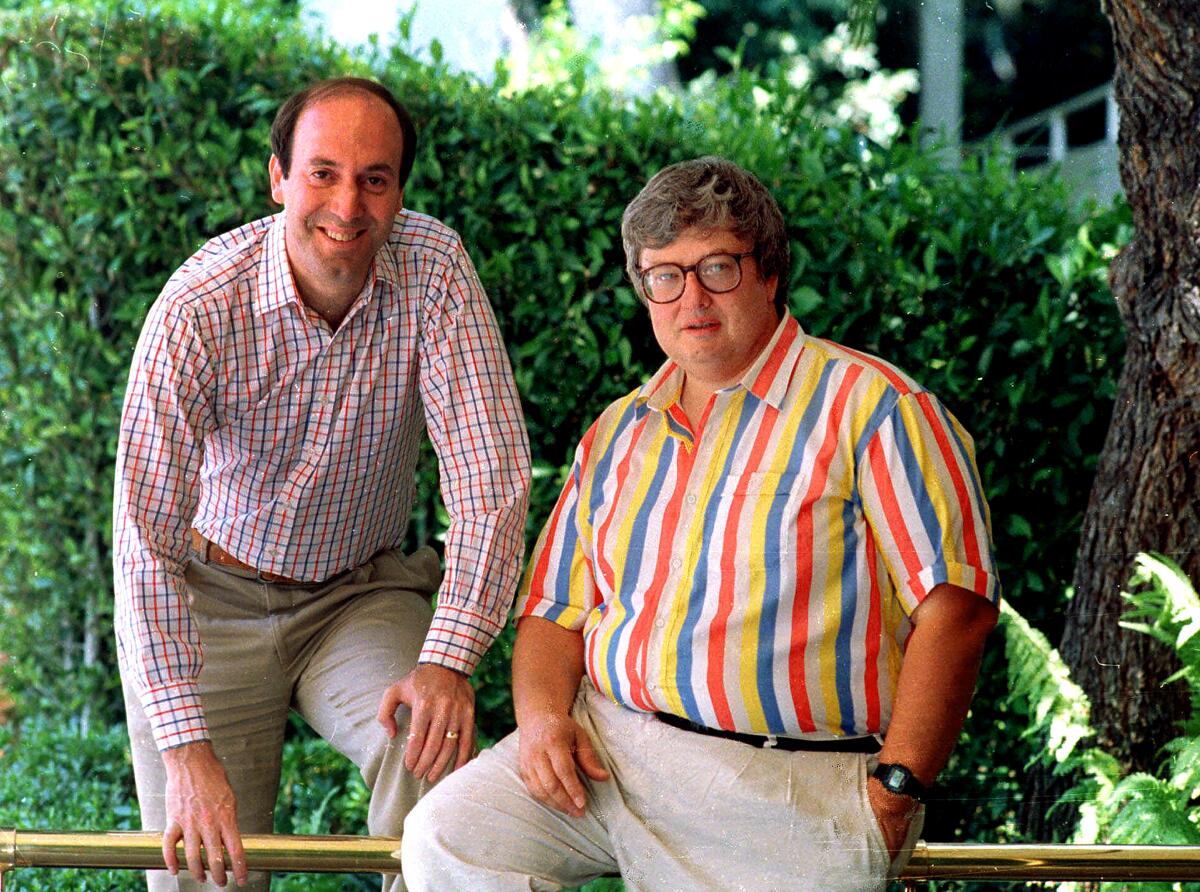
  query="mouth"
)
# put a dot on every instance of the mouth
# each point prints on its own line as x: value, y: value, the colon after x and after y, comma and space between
x: 342, y: 236
x: 701, y: 326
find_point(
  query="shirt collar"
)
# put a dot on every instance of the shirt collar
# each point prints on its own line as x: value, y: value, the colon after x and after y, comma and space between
x: 767, y: 378
x: 277, y: 286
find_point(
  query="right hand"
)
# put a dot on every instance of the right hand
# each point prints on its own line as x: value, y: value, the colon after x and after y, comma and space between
x: 201, y: 809
x: 553, y: 750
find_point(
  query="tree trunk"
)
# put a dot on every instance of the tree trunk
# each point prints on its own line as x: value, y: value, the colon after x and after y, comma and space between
x: 1146, y: 495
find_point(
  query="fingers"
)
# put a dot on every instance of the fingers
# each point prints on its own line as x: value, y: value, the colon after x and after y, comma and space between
x: 586, y: 756
x: 466, y: 747
x: 442, y: 724
x: 170, y: 838
x: 237, y: 857
x: 216, y: 839
x: 386, y: 714
x: 550, y: 762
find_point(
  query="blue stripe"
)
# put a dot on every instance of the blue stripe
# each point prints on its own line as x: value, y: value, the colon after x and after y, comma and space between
x: 633, y: 550
x: 916, y: 480
x: 697, y: 597
x: 843, y: 657
x: 570, y: 540
x: 972, y: 479
x: 798, y: 473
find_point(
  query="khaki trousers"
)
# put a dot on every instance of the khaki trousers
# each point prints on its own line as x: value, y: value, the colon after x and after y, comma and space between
x: 327, y: 650
x: 681, y: 811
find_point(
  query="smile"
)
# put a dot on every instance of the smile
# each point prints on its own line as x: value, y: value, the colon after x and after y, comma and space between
x: 342, y: 235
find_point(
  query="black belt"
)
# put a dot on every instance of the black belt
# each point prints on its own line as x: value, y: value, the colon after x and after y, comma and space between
x: 787, y: 744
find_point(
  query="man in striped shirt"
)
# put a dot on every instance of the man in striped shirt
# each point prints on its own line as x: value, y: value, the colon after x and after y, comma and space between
x: 265, y: 477
x: 770, y: 567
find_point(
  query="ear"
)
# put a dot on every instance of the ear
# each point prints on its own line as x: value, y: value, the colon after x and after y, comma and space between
x: 401, y: 198
x: 275, y: 169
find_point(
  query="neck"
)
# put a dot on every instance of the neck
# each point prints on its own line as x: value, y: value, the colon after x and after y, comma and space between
x: 693, y: 399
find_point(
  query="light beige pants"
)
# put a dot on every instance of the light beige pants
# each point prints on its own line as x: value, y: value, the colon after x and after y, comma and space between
x: 327, y: 650
x: 682, y: 811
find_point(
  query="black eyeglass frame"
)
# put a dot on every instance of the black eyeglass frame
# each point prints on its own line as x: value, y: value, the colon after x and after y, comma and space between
x: 694, y: 268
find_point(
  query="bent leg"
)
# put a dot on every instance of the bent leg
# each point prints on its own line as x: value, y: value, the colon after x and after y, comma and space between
x: 380, y: 616
x: 479, y: 829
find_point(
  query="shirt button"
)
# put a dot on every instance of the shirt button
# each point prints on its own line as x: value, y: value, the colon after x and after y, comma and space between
x: 659, y: 623
x: 691, y: 498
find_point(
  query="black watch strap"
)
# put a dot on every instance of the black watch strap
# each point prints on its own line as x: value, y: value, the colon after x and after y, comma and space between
x: 898, y: 779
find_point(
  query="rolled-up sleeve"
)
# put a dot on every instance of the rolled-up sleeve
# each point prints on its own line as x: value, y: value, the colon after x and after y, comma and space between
x: 923, y: 500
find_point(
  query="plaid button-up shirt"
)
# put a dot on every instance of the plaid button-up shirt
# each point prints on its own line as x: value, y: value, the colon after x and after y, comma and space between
x: 294, y: 446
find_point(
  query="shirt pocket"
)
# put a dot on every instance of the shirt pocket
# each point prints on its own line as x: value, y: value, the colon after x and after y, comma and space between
x: 760, y: 484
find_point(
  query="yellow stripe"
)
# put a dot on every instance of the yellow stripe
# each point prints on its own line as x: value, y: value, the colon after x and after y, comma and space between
x: 776, y: 462
x: 628, y: 500
x: 690, y: 534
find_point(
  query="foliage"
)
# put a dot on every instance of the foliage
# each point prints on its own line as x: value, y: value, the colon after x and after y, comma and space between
x: 1141, y: 808
x: 53, y: 776
x: 133, y: 135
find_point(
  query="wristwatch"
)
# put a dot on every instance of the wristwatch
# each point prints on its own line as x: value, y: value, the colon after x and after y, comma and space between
x: 899, y: 780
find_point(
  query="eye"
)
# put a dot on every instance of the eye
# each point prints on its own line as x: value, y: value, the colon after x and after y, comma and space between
x: 715, y: 266
x: 664, y: 275
x: 320, y: 174
x: 376, y: 182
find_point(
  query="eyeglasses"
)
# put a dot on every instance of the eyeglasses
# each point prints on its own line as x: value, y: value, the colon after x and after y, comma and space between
x: 718, y: 273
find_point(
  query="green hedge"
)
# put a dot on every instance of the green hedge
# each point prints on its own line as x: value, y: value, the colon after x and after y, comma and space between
x: 130, y: 136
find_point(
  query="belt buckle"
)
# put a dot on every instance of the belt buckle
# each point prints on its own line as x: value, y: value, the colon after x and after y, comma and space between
x: 770, y: 742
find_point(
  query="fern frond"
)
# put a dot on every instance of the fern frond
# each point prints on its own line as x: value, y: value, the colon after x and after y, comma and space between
x: 1040, y: 686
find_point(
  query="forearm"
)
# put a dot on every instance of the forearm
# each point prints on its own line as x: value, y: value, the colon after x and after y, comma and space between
x: 937, y: 680
x: 546, y: 670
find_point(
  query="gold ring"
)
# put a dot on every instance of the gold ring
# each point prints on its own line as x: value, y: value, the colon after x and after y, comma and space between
x: 452, y: 735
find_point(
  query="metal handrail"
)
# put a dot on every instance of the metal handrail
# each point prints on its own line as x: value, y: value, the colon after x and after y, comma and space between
x: 373, y: 854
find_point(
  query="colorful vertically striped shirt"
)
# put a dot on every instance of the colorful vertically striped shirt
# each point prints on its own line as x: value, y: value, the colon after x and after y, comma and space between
x: 758, y: 574
x: 294, y: 446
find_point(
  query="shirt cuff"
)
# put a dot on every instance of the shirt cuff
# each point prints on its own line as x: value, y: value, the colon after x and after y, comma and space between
x: 175, y: 716
x: 458, y: 639
x: 967, y: 576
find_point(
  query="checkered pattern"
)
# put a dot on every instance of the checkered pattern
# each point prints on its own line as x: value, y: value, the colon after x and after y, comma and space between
x: 294, y: 446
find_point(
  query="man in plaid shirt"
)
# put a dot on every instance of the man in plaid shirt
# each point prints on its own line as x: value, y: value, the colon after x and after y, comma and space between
x: 264, y: 482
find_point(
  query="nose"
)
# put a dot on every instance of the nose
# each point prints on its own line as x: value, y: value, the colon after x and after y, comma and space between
x: 694, y: 294
x: 346, y: 202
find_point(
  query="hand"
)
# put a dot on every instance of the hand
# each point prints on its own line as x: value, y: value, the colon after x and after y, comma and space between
x: 442, y: 728
x: 201, y: 809
x: 893, y: 813
x: 553, y: 750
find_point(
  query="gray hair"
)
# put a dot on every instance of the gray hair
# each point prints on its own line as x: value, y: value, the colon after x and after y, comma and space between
x: 703, y: 194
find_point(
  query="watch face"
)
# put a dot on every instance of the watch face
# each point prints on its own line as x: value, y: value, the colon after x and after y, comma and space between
x: 896, y: 778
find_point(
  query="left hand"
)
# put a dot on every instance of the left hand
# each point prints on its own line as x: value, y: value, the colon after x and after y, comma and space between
x: 893, y: 813
x: 442, y: 727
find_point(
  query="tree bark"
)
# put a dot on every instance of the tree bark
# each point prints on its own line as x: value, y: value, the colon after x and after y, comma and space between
x: 1146, y: 497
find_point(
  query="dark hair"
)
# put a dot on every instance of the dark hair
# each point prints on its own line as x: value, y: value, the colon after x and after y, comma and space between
x: 283, y: 130
x: 702, y: 194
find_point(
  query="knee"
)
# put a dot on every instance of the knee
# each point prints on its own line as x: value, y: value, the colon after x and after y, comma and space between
x: 426, y: 844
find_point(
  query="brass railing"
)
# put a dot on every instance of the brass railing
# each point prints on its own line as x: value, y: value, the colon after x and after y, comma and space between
x: 372, y: 854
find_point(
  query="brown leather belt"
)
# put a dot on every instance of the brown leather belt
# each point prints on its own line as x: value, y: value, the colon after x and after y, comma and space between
x: 212, y: 553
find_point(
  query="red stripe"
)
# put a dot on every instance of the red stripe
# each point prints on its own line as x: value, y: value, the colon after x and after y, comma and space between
x: 965, y: 504
x: 718, y: 627
x: 766, y: 377
x: 874, y: 635
x: 805, y: 544
x: 892, y: 513
x: 878, y: 365
x: 639, y: 636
